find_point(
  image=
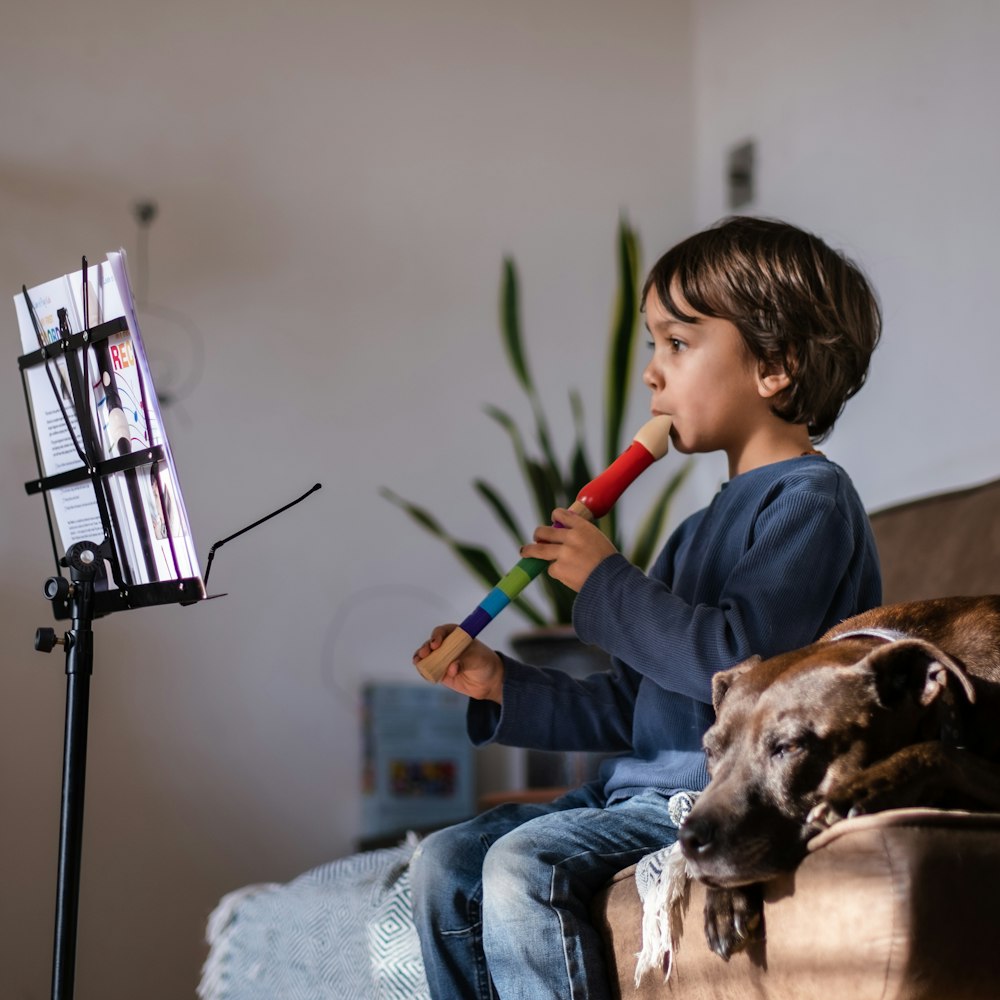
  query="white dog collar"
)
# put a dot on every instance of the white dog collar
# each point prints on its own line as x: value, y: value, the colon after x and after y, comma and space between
x: 888, y: 634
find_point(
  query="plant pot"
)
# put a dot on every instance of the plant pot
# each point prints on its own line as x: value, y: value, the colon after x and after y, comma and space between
x: 559, y: 646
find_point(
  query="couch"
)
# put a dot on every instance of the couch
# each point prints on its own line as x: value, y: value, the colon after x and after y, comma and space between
x: 898, y: 906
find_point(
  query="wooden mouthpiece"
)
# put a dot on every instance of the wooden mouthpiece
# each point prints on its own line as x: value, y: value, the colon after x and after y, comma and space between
x: 654, y: 436
x: 433, y: 666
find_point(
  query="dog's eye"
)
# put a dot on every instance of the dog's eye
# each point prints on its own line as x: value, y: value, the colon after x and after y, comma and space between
x: 786, y: 748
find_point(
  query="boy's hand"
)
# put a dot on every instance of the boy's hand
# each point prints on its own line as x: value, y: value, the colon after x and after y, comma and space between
x: 477, y: 673
x: 572, y: 551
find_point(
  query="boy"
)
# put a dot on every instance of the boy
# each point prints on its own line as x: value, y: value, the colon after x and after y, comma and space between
x: 760, y: 334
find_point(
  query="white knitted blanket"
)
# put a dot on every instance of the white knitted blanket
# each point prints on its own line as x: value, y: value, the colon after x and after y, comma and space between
x: 343, y: 931
x: 663, y: 880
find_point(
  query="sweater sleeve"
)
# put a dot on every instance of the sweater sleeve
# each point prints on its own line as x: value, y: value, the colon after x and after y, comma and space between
x: 776, y: 596
x: 546, y: 709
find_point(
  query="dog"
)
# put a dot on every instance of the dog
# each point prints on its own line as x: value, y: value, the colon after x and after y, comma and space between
x: 899, y: 706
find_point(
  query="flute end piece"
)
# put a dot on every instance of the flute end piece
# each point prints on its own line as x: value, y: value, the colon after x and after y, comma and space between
x: 654, y: 435
x: 433, y: 666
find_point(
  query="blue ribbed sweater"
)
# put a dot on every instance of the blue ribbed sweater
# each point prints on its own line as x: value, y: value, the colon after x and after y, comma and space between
x: 781, y: 554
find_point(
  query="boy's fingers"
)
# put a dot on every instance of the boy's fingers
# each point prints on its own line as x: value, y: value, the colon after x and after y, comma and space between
x: 539, y: 551
x: 546, y: 534
x: 437, y: 637
x: 440, y: 634
x: 564, y: 516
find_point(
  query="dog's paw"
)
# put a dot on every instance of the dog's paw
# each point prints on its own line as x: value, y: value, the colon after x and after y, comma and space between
x: 734, y: 918
x: 911, y: 776
x: 839, y: 807
x: 872, y: 791
x: 823, y: 815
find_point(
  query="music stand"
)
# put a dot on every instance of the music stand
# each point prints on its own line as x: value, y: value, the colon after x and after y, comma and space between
x: 111, y: 489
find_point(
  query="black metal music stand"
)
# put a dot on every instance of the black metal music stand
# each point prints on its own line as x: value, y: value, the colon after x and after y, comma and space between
x: 105, y: 576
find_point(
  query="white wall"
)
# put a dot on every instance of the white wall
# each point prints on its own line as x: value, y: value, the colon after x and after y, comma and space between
x: 337, y: 185
x: 876, y: 126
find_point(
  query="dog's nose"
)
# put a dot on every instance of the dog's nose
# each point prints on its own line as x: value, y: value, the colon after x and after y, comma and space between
x: 697, y: 837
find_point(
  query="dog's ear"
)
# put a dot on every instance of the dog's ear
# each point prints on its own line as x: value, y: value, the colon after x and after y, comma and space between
x: 911, y: 669
x: 723, y: 680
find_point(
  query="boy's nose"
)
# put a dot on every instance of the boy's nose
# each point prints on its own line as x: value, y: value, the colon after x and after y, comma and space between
x: 651, y: 378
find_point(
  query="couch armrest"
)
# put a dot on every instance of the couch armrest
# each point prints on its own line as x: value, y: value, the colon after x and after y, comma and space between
x: 897, y: 905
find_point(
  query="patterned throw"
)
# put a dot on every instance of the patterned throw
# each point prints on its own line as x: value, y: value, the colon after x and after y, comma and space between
x: 339, y: 932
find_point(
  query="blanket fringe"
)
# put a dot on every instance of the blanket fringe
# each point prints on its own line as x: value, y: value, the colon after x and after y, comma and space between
x: 664, y: 899
x: 219, y: 934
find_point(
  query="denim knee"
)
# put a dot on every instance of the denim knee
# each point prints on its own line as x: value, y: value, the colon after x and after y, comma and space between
x: 446, y: 875
x: 432, y: 859
x: 513, y: 874
x: 431, y: 856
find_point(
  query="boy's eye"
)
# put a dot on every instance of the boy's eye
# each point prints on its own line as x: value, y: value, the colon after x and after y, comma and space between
x: 673, y: 343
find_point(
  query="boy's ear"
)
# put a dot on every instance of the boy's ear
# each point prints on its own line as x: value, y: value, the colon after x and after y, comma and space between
x: 772, y: 381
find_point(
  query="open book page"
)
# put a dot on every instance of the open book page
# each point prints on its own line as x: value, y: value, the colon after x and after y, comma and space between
x: 166, y: 514
x: 55, y: 419
x: 151, y: 530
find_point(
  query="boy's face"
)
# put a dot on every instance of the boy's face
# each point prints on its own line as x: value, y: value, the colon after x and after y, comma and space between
x: 704, y: 378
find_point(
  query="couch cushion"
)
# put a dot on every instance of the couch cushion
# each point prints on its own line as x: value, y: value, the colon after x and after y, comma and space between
x: 849, y: 922
x: 940, y: 546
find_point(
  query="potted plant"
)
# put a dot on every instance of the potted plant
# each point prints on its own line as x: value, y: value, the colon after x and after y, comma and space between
x: 553, y: 481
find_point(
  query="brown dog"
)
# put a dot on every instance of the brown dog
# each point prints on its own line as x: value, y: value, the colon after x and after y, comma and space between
x: 897, y: 707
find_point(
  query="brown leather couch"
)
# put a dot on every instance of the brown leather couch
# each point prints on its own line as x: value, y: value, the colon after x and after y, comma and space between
x: 904, y: 905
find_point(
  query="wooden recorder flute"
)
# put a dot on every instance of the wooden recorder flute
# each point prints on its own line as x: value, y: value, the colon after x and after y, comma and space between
x: 592, y: 502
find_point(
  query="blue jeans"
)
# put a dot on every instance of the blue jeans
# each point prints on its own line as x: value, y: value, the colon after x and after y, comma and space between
x: 502, y: 902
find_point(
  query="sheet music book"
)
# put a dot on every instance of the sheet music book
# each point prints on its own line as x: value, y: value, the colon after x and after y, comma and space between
x: 153, y: 533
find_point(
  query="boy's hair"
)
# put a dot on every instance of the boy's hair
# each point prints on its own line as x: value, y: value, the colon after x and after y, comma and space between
x: 797, y: 303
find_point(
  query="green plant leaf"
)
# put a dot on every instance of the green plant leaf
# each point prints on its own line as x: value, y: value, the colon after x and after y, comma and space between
x: 478, y: 560
x: 648, y: 536
x: 501, y: 510
x: 510, y: 324
x: 422, y: 516
x: 579, y: 465
x: 510, y: 328
x: 543, y: 482
x: 580, y: 473
x: 475, y: 558
x: 550, y: 492
x: 618, y: 373
x: 513, y: 432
